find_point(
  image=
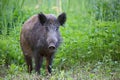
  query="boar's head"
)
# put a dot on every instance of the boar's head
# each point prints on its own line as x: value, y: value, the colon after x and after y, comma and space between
x: 51, y: 25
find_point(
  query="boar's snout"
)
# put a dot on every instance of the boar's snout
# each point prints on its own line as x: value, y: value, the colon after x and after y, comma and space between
x: 52, y: 46
x: 52, y: 40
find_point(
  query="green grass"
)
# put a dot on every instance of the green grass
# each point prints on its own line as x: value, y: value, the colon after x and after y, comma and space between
x: 91, y: 39
x: 87, y: 71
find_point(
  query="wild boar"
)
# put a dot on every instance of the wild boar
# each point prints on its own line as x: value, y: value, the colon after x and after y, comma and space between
x: 40, y: 37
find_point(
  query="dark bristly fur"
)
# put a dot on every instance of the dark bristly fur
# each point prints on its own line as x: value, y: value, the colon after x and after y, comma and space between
x: 40, y: 37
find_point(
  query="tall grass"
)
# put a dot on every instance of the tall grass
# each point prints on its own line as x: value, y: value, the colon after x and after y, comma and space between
x: 95, y: 17
x: 10, y: 14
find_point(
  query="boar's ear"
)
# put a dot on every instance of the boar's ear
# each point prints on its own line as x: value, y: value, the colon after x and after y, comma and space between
x: 62, y: 18
x: 42, y: 18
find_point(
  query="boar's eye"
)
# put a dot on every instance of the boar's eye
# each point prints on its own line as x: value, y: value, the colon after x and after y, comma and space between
x: 46, y: 28
x: 56, y: 28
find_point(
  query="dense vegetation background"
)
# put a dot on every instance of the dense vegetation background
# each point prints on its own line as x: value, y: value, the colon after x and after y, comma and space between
x: 91, y: 46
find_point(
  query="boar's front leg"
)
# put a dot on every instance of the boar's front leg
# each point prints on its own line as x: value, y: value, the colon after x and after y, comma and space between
x: 49, y: 60
x: 38, y: 62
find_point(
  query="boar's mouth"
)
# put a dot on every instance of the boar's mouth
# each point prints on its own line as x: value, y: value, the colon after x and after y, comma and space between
x: 51, y: 46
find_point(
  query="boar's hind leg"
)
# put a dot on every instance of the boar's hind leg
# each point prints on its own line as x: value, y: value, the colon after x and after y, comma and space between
x: 29, y: 63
